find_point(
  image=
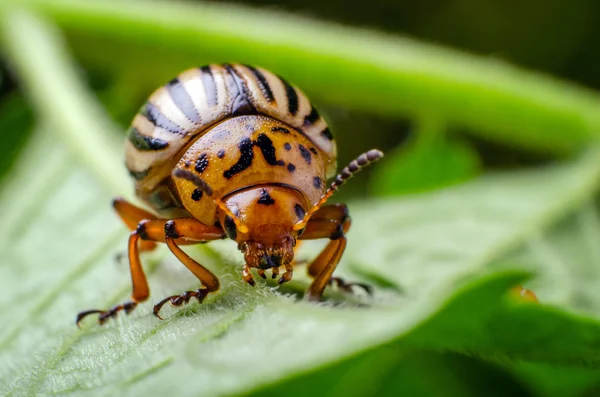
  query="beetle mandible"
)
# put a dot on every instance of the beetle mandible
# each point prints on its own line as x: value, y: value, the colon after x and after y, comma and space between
x: 233, y: 151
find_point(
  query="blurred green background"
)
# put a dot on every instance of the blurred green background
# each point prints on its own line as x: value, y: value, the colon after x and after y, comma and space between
x: 557, y: 37
x: 424, y: 151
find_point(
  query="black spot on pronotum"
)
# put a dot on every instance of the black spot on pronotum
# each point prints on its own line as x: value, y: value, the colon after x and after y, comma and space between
x: 230, y: 228
x: 311, y: 117
x: 221, y: 153
x: 280, y: 129
x: 305, y: 153
x: 265, y: 198
x: 195, y: 179
x: 292, y: 97
x: 155, y: 116
x: 317, y: 182
x: 263, y: 84
x: 291, y: 167
x: 187, y: 164
x: 201, y: 163
x: 182, y: 99
x: 170, y: 230
x: 299, y: 211
x: 265, y: 144
x: 313, y: 150
x: 327, y: 134
x: 197, y: 194
x: 287, y: 146
x: 210, y: 89
x: 144, y: 142
x: 245, y: 160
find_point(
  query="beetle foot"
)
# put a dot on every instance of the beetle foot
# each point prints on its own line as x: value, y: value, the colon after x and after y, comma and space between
x: 178, y: 300
x: 106, y: 314
x: 349, y: 286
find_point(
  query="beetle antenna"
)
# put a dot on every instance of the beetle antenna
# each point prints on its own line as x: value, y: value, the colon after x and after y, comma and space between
x: 350, y: 170
x: 205, y: 187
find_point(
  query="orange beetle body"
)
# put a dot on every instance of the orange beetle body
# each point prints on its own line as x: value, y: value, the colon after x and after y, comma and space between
x: 233, y: 151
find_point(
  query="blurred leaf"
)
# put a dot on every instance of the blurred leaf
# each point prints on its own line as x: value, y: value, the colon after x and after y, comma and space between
x: 34, y: 48
x: 349, y: 67
x: 426, y: 162
x: 16, y: 121
x: 391, y: 370
x: 453, y: 375
x: 570, y: 256
x: 557, y: 381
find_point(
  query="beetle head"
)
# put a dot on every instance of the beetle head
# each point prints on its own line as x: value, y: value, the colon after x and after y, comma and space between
x: 269, y: 212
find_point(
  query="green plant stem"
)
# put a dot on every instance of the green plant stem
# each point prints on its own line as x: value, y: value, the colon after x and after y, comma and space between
x: 354, y: 67
x: 38, y: 56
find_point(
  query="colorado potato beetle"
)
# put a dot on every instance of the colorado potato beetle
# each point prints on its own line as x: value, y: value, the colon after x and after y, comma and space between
x: 233, y: 151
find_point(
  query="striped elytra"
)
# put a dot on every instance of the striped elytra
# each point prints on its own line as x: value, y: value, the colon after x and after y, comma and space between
x: 236, y: 126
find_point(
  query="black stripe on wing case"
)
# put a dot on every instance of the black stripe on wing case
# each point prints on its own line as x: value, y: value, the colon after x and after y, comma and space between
x: 210, y: 88
x: 182, y: 99
x: 265, y: 88
x: 145, y: 143
x: 292, y: 97
x: 327, y: 134
x: 241, y: 100
x: 155, y: 116
x: 312, y: 117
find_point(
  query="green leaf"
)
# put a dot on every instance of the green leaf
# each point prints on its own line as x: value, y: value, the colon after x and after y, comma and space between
x: 59, y: 259
x: 15, y: 122
x: 60, y: 98
x: 429, y: 160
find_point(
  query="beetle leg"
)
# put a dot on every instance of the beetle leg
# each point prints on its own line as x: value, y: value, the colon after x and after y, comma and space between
x: 131, y: 216
x: 333, y: 222
x: 208, y: 280
x: 139, y: 285
x: 172, y: 232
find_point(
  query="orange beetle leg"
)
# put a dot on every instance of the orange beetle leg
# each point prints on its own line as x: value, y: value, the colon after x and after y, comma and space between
x: 331, y: 222
x: 184, y: 230
x: 131, y: 216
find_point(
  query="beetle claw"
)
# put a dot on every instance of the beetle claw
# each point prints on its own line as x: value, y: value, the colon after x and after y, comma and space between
x: 104, y: 315
x: 349, y: 286
x: 178, y: 300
